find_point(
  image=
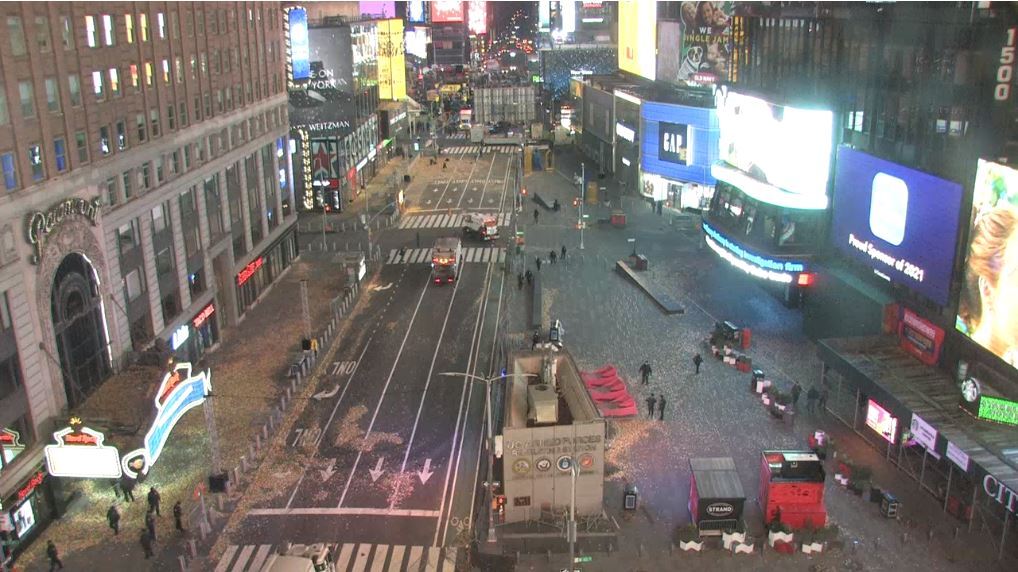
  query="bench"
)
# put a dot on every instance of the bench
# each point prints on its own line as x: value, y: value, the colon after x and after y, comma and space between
x: 541, y: 201
x: 663, y: 299
x: 536, y: 313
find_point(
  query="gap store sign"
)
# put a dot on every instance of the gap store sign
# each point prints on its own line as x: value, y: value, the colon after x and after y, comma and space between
x: 678, y: 142
x: 900, y: 222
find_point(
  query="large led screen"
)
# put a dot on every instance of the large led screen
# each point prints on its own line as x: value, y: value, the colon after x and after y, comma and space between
x: 416, y: 12
x: 900, y: 222
x: 331, y: 59
x: 446, y: 11
x: 391, y: 60
x: 297, y: 44
x: 477, y: 14
x: 378, y: 9
x: 638, y: 37
x: 678, y: 142
x: 988, y: 308
x: 781, y: 146
x: 417, y: 40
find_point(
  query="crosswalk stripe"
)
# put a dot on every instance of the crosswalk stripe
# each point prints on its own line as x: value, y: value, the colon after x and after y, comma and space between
x: 422, y: 255
x: 381, y: 551
x: 433, y: 553
x: 396, y: 562
x: 227, y: 557
x: 501, y: 256
x: 485, y: 255
x: 449, y: 562
x: 471, y: 253
x: 241, y: 562
x: 392, y: 256
x: 344, y: 556
x: 418, y: 221
x: 260, y: 556
x: 415, y: 557
x: 363, y: 554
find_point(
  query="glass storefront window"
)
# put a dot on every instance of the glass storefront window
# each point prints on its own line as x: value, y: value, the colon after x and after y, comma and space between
x: 772, y: 228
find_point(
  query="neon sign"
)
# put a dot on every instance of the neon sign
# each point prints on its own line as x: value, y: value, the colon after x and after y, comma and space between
x: 750, y: 263
x: 998, y: 410
x: 249, y: 270
x: 179, y: 392
x: 205, y: 314
x: 80, y: 453
x: 881, y: 421
x: 31, y: 485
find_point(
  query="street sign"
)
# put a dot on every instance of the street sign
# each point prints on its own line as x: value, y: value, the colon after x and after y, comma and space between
x: 580, y: 559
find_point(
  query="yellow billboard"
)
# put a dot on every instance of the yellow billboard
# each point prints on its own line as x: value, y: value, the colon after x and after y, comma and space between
x: 391, y: 60
x: 638, y: 37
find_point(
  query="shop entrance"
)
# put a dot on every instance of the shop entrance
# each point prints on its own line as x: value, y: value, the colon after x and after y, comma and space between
x: 79, y: 326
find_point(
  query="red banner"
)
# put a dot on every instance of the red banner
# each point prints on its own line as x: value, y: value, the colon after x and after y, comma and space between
x: 920, y: 337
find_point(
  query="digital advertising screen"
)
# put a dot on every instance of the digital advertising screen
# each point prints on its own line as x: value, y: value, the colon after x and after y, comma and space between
x: 678, y: 142
x: 378, y: 9
x: 988, y: 307
x: 417, y: 41
x: 544, y: 15
x: 391, y: 60
x: 477, y: 17
x: 706, y: 43
x: 331, y: 59
x: 637, y: 43
x: 900, y: 222
x: 416, y: 12
x: 298, y: 48
x: 784, y: 147
x: 446, y: 11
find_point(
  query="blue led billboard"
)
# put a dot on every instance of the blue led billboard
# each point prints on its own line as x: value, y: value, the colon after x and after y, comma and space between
x: 300, y: 47
x: 900, y: 222
x: 678, y: 142
x: 416, y: 12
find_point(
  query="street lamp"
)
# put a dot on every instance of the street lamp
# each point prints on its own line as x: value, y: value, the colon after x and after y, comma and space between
x: 579, y: 218
x: 491, y: 445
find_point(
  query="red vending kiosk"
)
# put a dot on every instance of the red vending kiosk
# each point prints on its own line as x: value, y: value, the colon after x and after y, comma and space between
x: 716, y: 497
x: 792, y: 488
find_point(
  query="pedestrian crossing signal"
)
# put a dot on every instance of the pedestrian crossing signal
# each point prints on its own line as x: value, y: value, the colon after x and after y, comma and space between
x: 523, y: 191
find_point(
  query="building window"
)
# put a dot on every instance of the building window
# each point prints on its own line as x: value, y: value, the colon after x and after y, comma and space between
x: 178, y: 69
x: 60, y: 154
x: 35, y: 161
x: 219, y: 101
x: 52, y: 95
x: 67, y: 32
x: 203, y: 62
x: 161, y: 25
x: 187, y: 157
x: 126, y: 178
x: 104, y: 140
x: 109, y: 31
x: 17, y: 36
x: 133, y: 71
x: 81, y: 144
x: 164, y: 262
x: 111, y: 191
x: 183, y: 114
x: 74, y: 88
x: 42, y: 33
x: 197, y: 108
x: 10, y: 174
x: 194, y: 66
x: 121, y: 135
x: 114, y: 82
x: 216, y: 63
x: 153, y: 115
x: 27, y: 95
x: 132, y: 283
x: 166, y: 70
x: 199, y: 18
x: 174, y: 26
x: 143, y: 26
x: 175, y: 162
x: 129, y: 24
x: 91, y: 32
x: 208, y: 105
x: 160, y: 169
x: 171, y: 117
x: 97, y: 85
x: 144, y: 177
x: 149, y: 74
x: 158, y: 218
x: 5, y: 116
x: 142, y: 131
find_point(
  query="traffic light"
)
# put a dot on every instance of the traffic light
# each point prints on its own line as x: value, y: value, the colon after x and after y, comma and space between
x: 523, y: 191
x: 576, y: 201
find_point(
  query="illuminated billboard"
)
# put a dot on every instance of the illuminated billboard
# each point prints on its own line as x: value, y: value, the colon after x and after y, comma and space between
x: 704, y: 45
x: 79, y: 452
x: 416, y: 13
x: 988, y: 308
x: 391, y: 60
x: 679, y: 142
x: 900, y: 222
x: 417, y: 40
x: 446, y: 11
x: 544, y: 15
x: 781, y: 155
x: 638, y: 37
x: 298, y: 48
x: 378, y: 9
x: 477, y: 17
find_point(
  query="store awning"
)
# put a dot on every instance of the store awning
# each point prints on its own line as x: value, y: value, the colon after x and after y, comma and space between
x: 903, y: 385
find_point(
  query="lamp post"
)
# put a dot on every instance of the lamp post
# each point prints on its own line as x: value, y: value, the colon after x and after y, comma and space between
x: 582, y: 181
x: 491, y: 445
x: 571, y: 525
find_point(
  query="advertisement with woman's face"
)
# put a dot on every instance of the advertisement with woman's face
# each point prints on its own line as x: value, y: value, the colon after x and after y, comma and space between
x: 988, y: 308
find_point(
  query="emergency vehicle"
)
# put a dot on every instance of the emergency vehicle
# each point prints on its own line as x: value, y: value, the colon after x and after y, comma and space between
x: 445, y: 260
x: 483, y: 226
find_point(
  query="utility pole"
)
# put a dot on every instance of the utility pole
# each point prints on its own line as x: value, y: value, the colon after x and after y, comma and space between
x: 304, y: 309
x: 583, y: 199
x: 571, y: 525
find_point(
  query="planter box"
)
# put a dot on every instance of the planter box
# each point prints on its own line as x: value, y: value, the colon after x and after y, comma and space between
x: 773, y: 537
x: 812, y: 548
x: 743, y: 548
x: 691, y: 546
x: 728, y: 539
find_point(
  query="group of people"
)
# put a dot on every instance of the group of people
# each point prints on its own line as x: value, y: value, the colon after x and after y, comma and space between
x: 658, y: 403
x: 552, y: 257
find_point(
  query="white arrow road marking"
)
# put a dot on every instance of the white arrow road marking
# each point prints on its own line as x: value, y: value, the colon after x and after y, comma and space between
x: 326, y: 394
x: 470, y: 200
x: 435, y: 190
x: 378, y: 470
x: 448, y: 200
x: 426, y: 472
x: 427, y: 202
x: 329, y: 470
x: 386, y: 287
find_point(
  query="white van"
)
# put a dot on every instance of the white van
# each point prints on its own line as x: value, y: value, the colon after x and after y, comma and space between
x: 301, y: 558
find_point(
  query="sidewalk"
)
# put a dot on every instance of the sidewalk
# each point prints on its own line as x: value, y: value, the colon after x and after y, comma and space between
x: 609, y: 320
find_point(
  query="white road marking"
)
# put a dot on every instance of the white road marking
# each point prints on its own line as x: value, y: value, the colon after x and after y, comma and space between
x: 396, y: 562
x: 343, y: 562
x: 343, y: 511
x: 363, y: 553
x: 380, y: 553
x: 224, y: 561
x: 260, y: 556
x: 245, y: 554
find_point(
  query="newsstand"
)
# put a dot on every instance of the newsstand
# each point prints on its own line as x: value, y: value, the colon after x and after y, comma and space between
x: 792, y: 489
x: 716, y: 497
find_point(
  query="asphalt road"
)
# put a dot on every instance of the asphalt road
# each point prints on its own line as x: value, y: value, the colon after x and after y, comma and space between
x: 390, y: 449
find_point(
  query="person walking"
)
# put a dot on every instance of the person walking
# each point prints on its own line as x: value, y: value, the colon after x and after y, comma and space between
x: 178, y: 516
x: 796, y: 392
x: 537, y: 215
x: 553, y: 256
x: 54, y: 556
x: 113, y: 519
x: 651, y: 401
x: 534, y: 340
x: 418, y: 240
x: 822, y: 402
x: 538, y: 258
x: 127, y: 485
x: 519, y: 280
x: 645, y: 373
x: 697, y: 360
x: 402, y: 253
x: 811, y: 399
x: 150, y: 524
x: 153, y: 500
x: 661, y: 407
x: 563, y: 253
x: 529, y: 276
x: 146, y: 543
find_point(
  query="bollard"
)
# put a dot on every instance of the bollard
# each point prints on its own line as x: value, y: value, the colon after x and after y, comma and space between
x: 641, y: 550
x: 265, y: 432
x: 243, y: 461
x: 193, y: 546
x: 258, y: 442
x: 549, y: 555
x: 220, y: 502
x: 289, y: 393
x: 183, y: 563
x: 929, y: 535
x: 293, y: 384
x: 236, y: 475
x: 282, y: 402
x: 671, y: 548
x: 272, y: 420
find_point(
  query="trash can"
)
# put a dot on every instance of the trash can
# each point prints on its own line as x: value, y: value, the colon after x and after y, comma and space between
x: 747, y: 337
x: 890, y: 505
x: 629, y: 497
x: 754, y: 380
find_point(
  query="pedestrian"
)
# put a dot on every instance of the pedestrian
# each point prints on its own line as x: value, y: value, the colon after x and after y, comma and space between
x: 54, y: 556
x: 153, y: 500
x: 519, y: 280
x: 650, y: 405
x: 822, y: 402
x: 538, y: 258
x: 537, y: 215
x: 402, y: 253
x: 529, y: 275
x: 811, y: 399
x: 113, y: 519
x: 697, y: 360
x: 418, y: 240
x: 178, y: 516
x: 661, y: 408
x: 552, y: 256
x: 146, y: 543
x: 645, y: 373
x: 796, y: 392
x: 150, y: 524
x: 127, y: 485
x: 535, y: 339
x: 563, y: 253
